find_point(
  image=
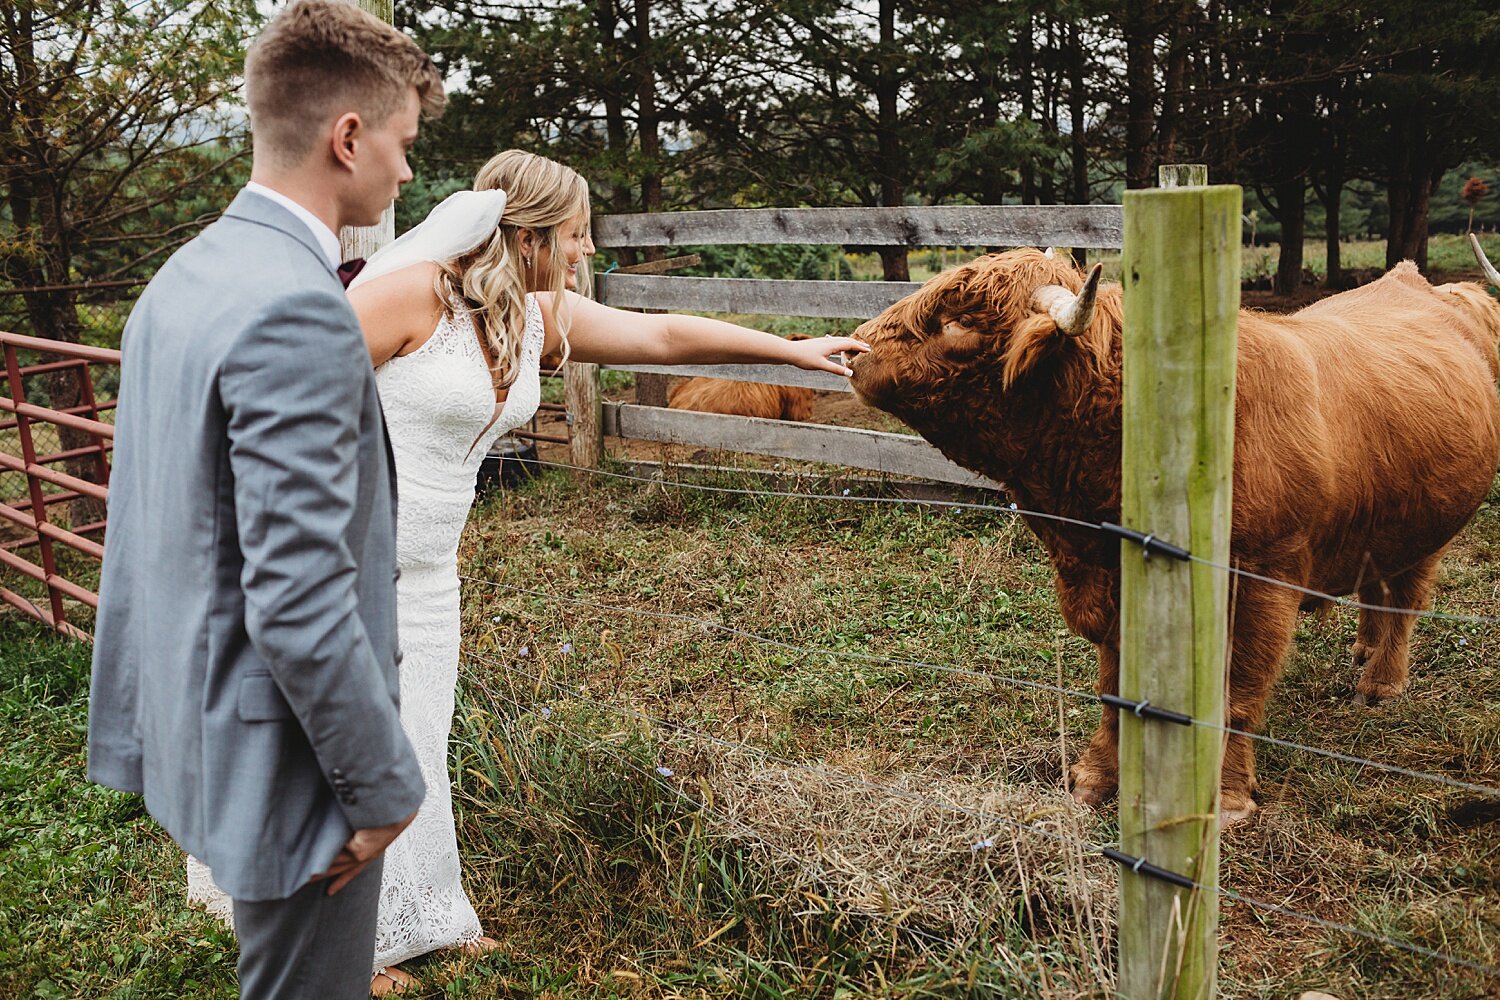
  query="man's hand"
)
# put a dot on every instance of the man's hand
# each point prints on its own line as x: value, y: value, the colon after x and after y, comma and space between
x: 365, y: 846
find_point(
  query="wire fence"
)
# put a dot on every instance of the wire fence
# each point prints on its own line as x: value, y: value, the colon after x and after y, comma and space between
x: 979, y: 675
x: 1104, y: 849
x: 1148, y: 540
x: 1149, y: 546
x: 100, y: 309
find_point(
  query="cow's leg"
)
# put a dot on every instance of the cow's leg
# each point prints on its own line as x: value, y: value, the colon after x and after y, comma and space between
x: 1088, y: 595
x: 1384, y: 644
x: 1094, y: 778
x: 1265, y: 617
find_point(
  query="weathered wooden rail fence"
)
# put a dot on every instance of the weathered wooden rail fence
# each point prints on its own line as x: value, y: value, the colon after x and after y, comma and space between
x: 1083, y: 226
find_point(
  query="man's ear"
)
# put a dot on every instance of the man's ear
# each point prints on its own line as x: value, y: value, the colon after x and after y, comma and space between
x: 347, y: 132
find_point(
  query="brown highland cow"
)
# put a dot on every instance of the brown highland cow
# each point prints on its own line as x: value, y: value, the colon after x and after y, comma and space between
x: 746, y: 399
x: 1367, y: 432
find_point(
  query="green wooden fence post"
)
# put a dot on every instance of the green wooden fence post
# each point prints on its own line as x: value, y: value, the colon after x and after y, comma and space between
x: 1181, y: 275
x: 363, y: 241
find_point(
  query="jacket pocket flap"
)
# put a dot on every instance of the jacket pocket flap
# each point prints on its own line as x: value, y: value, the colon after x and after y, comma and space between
x: 261, y: 700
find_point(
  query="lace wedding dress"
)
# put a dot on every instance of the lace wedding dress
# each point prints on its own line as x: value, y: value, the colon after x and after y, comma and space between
x: 439, y: 407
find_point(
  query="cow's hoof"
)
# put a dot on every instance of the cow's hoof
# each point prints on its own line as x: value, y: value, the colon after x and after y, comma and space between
x: 1375, y: 695
x: 1088, y: 786
x: 1236, y: 809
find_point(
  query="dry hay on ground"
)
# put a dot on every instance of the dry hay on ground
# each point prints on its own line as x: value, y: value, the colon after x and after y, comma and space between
x: 941, y: 853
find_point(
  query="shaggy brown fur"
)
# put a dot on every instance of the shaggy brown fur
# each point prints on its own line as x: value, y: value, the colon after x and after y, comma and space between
x: 1367, y: 432
x: 747, y: 399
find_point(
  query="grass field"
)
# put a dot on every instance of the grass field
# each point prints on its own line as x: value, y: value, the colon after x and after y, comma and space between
x: 652, y: 807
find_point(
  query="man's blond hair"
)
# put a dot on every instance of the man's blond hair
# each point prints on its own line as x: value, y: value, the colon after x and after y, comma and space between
x: 319, y: 59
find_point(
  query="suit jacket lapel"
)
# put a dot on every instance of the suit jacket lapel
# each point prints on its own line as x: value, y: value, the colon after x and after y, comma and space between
x: 251, y: 207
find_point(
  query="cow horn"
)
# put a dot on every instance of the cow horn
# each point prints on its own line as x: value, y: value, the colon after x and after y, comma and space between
x: 1484, y: 262
x: 1073, y: 313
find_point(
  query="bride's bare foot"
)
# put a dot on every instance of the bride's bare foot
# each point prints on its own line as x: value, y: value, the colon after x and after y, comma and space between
x: 479, y: 946
x: 392, y: 981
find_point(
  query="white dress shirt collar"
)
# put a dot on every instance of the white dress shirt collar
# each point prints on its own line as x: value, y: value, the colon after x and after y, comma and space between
x: 327, y: 239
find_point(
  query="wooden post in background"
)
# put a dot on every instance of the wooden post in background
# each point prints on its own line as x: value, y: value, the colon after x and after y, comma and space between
x: 1178, y: 175
x: 363, y: 241
x: 1181, y: 273
x: 585, y: 407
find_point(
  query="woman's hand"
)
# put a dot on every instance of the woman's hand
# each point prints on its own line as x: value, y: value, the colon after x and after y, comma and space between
x: 825, y: 354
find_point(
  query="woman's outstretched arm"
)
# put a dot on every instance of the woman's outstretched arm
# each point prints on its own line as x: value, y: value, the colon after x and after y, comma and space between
x: 603, y: 335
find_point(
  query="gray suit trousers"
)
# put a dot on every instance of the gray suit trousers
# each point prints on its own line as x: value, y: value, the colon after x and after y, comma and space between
x: 310, y: 946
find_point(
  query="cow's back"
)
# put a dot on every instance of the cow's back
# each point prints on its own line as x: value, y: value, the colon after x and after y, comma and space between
x: 1367, y: 430
x: 746, y: 399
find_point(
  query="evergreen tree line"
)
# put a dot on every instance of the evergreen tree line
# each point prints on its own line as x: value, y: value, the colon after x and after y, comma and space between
x: 675, y: 104
x: 120, y: 133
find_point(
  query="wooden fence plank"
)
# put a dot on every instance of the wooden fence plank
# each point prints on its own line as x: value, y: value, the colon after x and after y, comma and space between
x: 895, y: 454
x: 660, y: 266
x: 1096, y: 226
x: 763, y: 296
x: 767, y: 374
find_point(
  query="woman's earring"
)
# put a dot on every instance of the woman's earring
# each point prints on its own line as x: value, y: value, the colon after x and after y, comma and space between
x: 527, y: 261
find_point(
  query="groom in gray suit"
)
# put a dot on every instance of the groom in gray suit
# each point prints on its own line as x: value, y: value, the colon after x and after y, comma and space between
x: 244, y: 674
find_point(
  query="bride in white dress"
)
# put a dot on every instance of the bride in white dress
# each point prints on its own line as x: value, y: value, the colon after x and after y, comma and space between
x: 457, y: 315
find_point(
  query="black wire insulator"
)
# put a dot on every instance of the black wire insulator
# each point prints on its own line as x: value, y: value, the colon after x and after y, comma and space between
x: 1143, y: 709
x: 1150, y: 544
x: 1143, y: 867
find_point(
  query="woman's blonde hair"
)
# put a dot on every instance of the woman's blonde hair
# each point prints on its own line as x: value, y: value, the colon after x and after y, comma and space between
x: 543, y: 196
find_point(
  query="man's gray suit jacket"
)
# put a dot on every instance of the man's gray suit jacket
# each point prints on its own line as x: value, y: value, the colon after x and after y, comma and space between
x: 244, y: 675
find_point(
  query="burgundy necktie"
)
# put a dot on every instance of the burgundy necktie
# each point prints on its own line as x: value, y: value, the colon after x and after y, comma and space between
x: 349, y: 268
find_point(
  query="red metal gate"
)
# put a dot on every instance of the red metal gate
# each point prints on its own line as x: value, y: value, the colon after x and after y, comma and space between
x: 23, y: 454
